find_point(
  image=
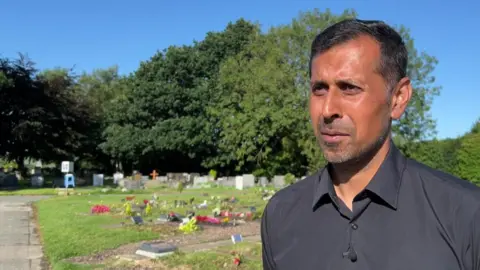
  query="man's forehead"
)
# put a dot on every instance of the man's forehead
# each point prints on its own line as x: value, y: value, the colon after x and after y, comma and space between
x: 353, y: 58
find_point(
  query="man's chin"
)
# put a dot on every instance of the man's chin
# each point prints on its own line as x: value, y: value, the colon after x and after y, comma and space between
x: 337, y: 158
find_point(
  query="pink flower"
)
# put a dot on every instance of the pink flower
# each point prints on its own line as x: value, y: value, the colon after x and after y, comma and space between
x: 99, y: 209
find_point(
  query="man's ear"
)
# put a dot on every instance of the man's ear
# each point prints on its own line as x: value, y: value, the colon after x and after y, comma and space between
x: 400, y: 98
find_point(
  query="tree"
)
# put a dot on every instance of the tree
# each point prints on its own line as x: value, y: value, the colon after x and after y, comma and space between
x: 438, y: 154
x: 163, y: 117
x: 99, y: 88
x: 476, y: 127
x: 258, y: 110
x: 468, y: 156
x: 276, y: 67
x: 417, y: 124
x: 42, y: 117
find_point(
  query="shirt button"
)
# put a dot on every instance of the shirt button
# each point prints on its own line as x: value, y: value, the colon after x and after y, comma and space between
x: 354, y: 226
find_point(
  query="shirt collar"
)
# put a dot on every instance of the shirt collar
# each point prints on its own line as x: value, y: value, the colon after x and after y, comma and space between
x: 385, y: 183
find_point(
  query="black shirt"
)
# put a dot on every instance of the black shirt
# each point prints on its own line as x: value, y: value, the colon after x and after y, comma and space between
x: 408, y: 217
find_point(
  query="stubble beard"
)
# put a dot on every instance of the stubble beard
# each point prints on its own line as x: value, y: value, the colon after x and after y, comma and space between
x: 339, y: 153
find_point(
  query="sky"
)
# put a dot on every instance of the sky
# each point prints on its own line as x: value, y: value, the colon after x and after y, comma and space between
x: 89, y: 34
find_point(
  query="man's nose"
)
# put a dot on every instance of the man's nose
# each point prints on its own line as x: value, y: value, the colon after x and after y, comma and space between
x: 332, y: 105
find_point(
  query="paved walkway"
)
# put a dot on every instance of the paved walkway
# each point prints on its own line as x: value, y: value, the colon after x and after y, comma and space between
x: 20, y: 248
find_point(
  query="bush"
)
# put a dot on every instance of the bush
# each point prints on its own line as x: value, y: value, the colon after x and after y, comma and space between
x: 180, y: 187
x: 468, y: 157
x: 289, y: 179
x: 213, y: 174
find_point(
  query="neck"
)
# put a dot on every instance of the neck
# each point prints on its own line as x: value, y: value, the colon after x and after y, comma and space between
x: 350, y: 178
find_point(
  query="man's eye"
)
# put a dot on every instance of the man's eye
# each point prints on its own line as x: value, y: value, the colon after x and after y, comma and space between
x: 319, y: 88
x: 349, y: 87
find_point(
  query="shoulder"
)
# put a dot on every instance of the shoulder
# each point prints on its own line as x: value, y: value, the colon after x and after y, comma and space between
x: 444, y: 184
x: 295, y: 196
x: 453, y: 201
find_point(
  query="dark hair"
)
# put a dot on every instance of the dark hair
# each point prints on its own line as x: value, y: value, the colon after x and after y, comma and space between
x: 394, y: 55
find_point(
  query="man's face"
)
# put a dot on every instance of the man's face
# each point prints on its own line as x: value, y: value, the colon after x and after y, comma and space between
x: 349, y: 101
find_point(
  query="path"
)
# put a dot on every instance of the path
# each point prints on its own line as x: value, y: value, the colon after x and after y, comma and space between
x: 20, y: 248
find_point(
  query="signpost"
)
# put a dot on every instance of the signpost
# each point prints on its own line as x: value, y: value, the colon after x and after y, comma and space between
x: 69, y: 178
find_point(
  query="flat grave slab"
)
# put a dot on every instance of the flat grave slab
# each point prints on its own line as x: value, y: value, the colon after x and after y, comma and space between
x: 156, y: 250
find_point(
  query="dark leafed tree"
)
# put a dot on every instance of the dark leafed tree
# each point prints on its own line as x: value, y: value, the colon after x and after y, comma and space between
x: 41, y: 116
x: 163, y: 117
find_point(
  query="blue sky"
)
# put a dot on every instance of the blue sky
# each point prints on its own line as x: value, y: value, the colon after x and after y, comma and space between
x: 97, y: 34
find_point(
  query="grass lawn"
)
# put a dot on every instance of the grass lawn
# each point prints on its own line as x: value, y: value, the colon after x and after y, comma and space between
x: 220, y: 258
x: 68, y: 229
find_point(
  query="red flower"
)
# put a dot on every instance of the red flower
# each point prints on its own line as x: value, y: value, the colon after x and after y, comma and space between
x: 236, y: 261
x: 207, y: 219
x: 145, y: 202
x: 98, y: 209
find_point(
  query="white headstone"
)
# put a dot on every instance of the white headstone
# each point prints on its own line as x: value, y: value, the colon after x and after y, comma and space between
x: 248, y: 180
x: 199, y: 180
x: 239, y: 182
x: 279, y: 181
x: 117, y: 177
x: 98, y: 180
x: 67, y: 167
x: 263, y: 181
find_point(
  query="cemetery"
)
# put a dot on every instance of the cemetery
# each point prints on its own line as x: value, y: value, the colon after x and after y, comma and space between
x: 171, y: 220
x: 170, y: 165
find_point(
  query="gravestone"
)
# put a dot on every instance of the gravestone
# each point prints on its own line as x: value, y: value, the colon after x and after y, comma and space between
x: 10, y: 181
x: 117, y: 177
x: 37, y: 179
x: 191, y: 176
x: 239, y: 182
x: 98, y: 180
x: 263, y: 181
x: 177, y: 177
x: 137, y: 220
x: 279, y: 181
x: 227, y: 181
x: 244, y: 181
x: 136, y: 175
x: 154, y: 183
x: 156, y: 250
x: 200, y: 180
x: 132, y: 184
x: 154, y: 175
x: 163, y: 219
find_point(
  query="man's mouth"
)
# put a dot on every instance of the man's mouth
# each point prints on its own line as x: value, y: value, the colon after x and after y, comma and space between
x: 331, y: 136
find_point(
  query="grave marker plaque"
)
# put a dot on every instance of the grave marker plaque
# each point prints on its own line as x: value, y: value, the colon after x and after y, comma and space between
x: 156, y: 250
x: 137, y: 220
x: 237, y: 238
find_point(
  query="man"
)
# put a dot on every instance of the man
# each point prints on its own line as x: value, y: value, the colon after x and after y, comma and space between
x: 370, y: 207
